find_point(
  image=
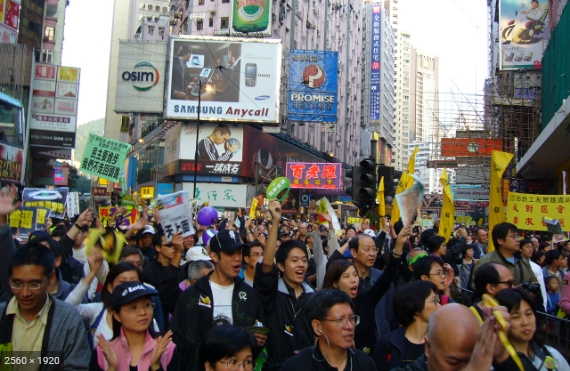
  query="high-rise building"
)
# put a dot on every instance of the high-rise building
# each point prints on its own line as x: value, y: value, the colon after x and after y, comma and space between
x: 425, y: 121
x: 378, y: 77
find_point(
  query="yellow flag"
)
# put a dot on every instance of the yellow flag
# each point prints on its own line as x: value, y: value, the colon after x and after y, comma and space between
x: 447, y: 210
x: 380, y: 198
x: 406, y: 182
x: 499, y: 162
x: 253, y: 208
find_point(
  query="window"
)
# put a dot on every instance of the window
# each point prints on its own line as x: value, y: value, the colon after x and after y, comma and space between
x: 151, y: 30
x: 224, y: 22
x: 200, y: 2
x: 142, y: 6
x: 49, y: 33
x: 47, y: 56
x: 211, y: 22
x: 199, y: 24
x: 225, y: 1
x: 161, y: 32
x: 157, y: 8
x: 164, y: 9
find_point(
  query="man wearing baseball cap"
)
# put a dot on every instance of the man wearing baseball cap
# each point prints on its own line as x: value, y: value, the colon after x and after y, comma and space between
x: 221, y: 298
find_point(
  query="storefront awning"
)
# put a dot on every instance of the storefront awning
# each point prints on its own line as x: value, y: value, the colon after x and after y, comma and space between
x: 550, y: 148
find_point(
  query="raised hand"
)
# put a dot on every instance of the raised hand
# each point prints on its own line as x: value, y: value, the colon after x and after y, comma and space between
x: 275, y: 210
x: 109, y: 353
x: 161, y: 347
x: 95, y: 259
x: 178, y: 242
x: 84, y: 218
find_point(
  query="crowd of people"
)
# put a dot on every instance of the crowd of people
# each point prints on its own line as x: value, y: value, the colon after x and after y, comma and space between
x: 277, y: 294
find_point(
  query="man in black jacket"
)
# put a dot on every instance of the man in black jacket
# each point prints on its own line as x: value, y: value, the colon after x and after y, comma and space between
x: 218, y: 299
x: 284, y: 298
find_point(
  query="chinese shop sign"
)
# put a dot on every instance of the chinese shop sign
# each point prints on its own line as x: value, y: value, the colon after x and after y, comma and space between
x: 527, y: 210
x: 307, y: 175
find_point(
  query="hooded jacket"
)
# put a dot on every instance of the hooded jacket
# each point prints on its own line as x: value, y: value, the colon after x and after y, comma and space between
x: 194, y: 312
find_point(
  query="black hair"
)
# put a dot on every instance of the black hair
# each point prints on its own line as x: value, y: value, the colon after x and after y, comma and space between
x: 223, y: 129
x: 58, y: 232
x: 512, y: 298
x: 286, y: 247
x: 550, y: 278
x: 398, y: 226
x: 351, y: 227
x: 57, y: 250
x: 319, y: 303
x: 524, y: 242
x: 422, y: 266
x: 355, y: 241
x: 131, y: 250
x: 157, y: 239
x: 434, y: 243
x: 500, y: 232
x: 32, y: 254
x: 121, y: 267
x: 411, y: 299
x: 425, y: 236
x: 465, y: 248
x: 486, y: 274
x: 536, y: 256
x: 224, y: 342
x: 551, y: 256
x: 117, y: 325
x: 246, y: 250
x: 335, y: 271
x: 184, y: 49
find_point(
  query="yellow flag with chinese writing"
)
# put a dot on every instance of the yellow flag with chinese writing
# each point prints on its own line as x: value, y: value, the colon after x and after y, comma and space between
x: 499, y: 162
x: 447, y: 210
x: 406, y: 182
x: 380, y: 198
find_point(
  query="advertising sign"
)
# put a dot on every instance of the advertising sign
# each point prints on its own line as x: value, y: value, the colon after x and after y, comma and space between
x: 54, y: 104
x: 8, y: 35
x: 469, y: 147
x: 11, y: 159
x: 251, y: 18
x: 527, y: 210
x: 220, y: 149
x: 104, y: 157
x: 307, y: 175
x: 375, y: 64
x: 471, y: 193
x: 219, y: 194
x: 12, y: 14
x: 313, y: 86
x: 239, y: 80
x: 141, y: 76
x: 524, y: 27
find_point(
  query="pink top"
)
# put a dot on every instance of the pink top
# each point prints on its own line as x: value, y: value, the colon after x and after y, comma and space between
x: 565, y: 297
x: 121, y: 347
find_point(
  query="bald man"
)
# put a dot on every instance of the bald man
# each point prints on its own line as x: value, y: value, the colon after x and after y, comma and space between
x: 452, y: 342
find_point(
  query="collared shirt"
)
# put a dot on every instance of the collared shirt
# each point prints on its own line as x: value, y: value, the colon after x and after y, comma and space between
x: 28, y: 336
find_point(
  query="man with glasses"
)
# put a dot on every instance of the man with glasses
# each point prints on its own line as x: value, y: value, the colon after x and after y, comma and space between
x: 33, y: 323
x: 506, y: 240
x: 430, y: 268
x: 252, y: 254
x: 490, y: 279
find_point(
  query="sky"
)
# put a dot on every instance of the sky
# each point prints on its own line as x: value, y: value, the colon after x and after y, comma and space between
x: 455, y: 30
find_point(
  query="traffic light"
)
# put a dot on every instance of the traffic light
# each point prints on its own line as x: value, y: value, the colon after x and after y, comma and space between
x: 386, y: 172
x: 396, y: 175
x: 355, y: 173
x: 368, y: 181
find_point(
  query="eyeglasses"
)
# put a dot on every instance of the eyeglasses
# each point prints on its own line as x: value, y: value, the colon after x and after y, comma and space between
x: 353, y: 320
x: 135, y: 308
x: 234, y: 365
x: 369, y: 250
x: 442, y: 274
x: 29, y: 285
x: 508, y: 283
x: 256, y: 254
x: 435, y: 300
x: 515, y: 236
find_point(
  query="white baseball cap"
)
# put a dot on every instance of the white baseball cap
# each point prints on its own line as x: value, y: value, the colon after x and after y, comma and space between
x: 147, y: 229
x: 369, y: 232
x: 197, y: 253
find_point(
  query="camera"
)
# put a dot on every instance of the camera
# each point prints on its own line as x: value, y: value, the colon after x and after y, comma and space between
x: 532, y: 288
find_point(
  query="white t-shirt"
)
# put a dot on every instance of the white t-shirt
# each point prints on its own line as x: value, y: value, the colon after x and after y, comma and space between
x: 222, y: 304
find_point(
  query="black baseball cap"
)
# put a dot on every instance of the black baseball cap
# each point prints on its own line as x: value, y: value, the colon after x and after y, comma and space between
x: 128, y: 292
x: 227, y: 241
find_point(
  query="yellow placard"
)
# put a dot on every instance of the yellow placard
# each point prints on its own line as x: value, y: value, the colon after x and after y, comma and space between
x: 147, y: 192
x: 68, y: 74
x: 527, y: 210
x: 253, y: 208
x: 463, y: 219
x: 15, y: 219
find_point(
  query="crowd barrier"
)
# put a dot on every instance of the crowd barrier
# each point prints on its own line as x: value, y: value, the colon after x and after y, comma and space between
x: 555, y: 331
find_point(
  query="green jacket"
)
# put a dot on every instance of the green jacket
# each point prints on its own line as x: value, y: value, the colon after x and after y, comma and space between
x: 521, y: 270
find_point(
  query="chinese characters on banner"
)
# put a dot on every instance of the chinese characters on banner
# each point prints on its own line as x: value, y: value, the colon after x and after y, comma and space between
x: 175, y: 214
x: 28, y: 219
x: 308, y: 175
x: 375, y: 64
x: 124, y: 221
x: 104, y: 157
x: 527, y: 210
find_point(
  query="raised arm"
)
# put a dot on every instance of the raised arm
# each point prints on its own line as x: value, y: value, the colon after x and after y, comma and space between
x: 271, y: 247
x: 8, y: 203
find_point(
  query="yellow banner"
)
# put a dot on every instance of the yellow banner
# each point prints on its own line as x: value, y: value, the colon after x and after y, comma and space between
x: 527, y: 210
x: 406, y: 182
x: 447, y: 210
x: 464, y: 219
x: 380, y: 198
x: 499, y: 162
x: 253, y: 208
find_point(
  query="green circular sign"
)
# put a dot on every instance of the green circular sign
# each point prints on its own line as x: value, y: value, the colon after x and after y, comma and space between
x: 278, y: 189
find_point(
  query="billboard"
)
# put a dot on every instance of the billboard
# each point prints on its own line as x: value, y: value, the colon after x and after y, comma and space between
x: 219, y: 194
x: 9, y: 21
x: 306, y: 175
x: 478, y: 193
x: 465, y: 147
x: 53, y: 107
x: 251, y: 18
x: 140, y: 77
x: 236, y: 79
x: 375, y: 64
x: 220, y: 149
x: 524, y: 29
x: 313, y: 86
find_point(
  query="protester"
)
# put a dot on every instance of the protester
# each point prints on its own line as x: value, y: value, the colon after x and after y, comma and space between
x: 480, y: 246
x: 523, y: 335
x: 554, y: 263
x: 133, y: 255
x: 429, y: 268
x: 413, y: 305
x: 553, y: 291
x: 153, y: 271
x: 333, y: 322
x: 134, y: 344
x: 252, y: 254
x: 227, y: 348
x: 489, y: 279
x: 466, y: 268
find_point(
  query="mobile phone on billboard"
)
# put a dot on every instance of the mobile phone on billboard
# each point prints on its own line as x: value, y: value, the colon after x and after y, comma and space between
x: 205, y: 77
x: 250, y: 74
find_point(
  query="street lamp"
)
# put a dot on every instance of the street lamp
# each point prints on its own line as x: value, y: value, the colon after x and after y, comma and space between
x: 208, y: 88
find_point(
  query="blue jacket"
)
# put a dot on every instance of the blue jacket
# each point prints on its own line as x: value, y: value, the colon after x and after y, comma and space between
x: 389, y: 352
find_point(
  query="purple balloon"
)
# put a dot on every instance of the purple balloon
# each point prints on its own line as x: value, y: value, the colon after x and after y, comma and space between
x: 208, y: 235
x: 205, y: 215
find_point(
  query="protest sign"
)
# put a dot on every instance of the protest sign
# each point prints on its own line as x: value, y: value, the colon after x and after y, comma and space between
x: 175, y: 214
x: 104, y: 157
x: 52, y: 199
x: 73, y: 204
x: 410, y: 199
x: 527, y: 211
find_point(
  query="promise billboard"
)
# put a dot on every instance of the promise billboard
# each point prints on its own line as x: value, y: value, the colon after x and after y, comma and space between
x: 236, y: 79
